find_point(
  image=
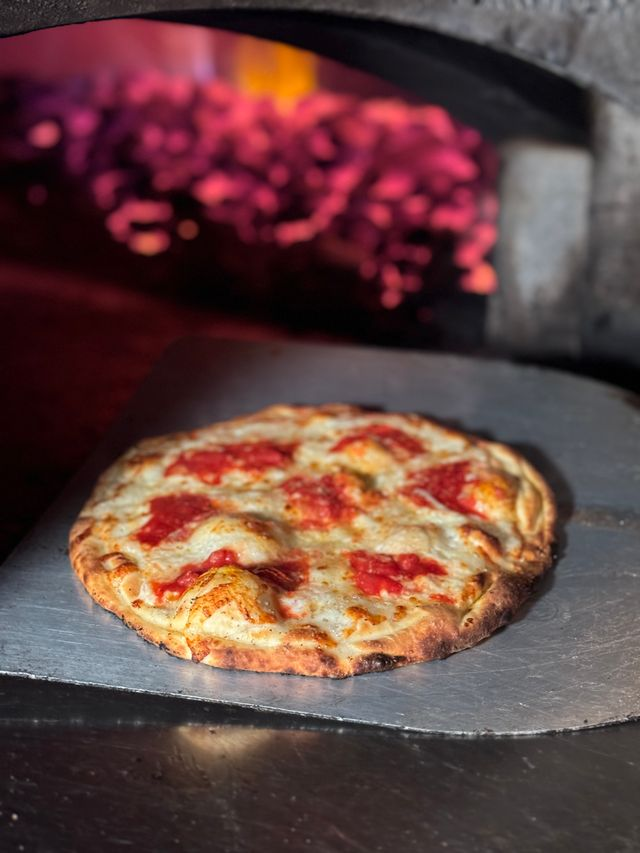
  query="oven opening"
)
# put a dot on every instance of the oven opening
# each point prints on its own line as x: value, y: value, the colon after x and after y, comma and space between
x: 240, y: 175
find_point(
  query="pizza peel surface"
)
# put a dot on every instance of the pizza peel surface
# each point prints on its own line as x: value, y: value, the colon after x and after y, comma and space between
x: 325, y: 540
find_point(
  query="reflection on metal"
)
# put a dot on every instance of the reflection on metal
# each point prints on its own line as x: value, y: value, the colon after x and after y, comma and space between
x: 234, y: 743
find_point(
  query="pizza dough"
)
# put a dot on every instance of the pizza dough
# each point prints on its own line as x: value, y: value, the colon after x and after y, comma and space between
x: 326, y: 540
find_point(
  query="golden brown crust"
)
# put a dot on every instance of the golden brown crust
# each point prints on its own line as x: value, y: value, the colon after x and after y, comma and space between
x: 429, y: 640
x: 443, y: 630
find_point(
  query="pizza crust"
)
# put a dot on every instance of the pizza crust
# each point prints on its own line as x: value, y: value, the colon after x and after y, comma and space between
x: 307, y: 649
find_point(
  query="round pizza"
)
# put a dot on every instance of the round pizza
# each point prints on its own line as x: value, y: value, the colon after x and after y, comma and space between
x: 317, y: 540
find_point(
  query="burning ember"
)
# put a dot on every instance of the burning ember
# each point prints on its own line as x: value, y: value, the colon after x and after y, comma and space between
x: 378, y: 186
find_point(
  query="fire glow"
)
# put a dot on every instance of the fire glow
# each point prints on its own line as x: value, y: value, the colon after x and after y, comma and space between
x: 376, y: 183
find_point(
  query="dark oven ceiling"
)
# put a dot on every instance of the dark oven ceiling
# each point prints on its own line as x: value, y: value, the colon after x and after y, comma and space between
x: 592, y: 42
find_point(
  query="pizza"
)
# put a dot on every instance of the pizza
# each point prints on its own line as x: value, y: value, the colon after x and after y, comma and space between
x: 317, y: 540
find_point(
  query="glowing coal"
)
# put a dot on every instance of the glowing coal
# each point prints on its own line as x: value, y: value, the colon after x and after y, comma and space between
x: 377, y: 184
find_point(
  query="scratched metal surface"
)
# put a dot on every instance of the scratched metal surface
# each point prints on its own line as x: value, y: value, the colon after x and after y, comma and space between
x: 570, y: 659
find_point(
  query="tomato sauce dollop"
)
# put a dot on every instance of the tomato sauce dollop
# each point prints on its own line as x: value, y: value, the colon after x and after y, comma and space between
x: 211, y: 465
x: 190, y: 573
x: 287, y: 575
x: 394, y: 440
x: 171, y: 514
x: 447, y: 484
x: 377, y: 573
x: 321, y: 502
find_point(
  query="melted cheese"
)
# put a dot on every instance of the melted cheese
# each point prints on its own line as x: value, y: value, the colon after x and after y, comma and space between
x: 254, y: 519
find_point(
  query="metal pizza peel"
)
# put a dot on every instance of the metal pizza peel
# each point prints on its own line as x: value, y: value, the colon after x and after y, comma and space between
x: 569, y: 660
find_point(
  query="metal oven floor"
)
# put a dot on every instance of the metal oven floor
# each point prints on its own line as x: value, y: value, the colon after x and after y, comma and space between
x: 571, y: 658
